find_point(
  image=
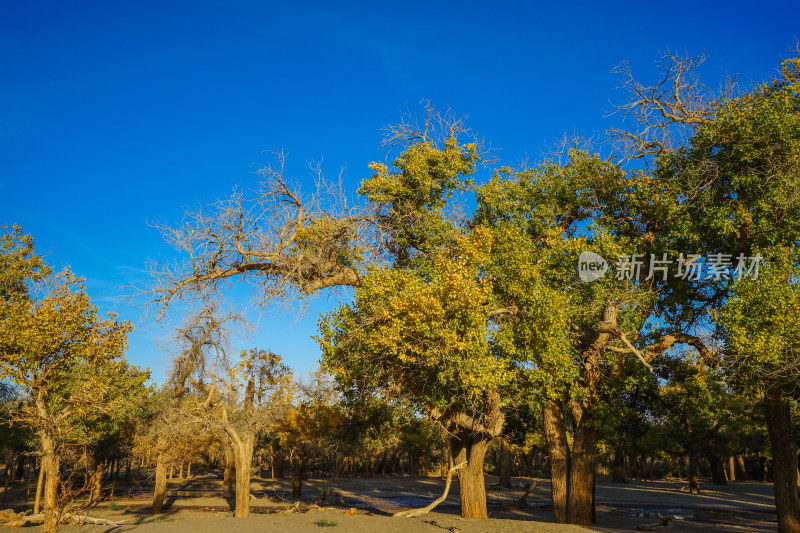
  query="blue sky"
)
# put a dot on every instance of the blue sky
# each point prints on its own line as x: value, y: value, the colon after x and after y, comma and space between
x: 113, y: 114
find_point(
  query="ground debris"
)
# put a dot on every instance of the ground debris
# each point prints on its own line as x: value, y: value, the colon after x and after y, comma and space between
x: 11, y: 519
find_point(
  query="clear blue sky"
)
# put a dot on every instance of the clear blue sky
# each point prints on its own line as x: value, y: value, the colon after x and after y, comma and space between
x: 113, y: 114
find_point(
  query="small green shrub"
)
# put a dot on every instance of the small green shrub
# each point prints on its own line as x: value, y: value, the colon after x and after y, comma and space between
x: 113, y: 506
x: 325, y: 523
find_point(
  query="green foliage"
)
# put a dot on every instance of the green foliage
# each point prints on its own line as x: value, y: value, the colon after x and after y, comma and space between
x: 325, y: 523
x: 19, y: 263
x: 410, y: 198
x: 424, y: 336
x: 761, y: 327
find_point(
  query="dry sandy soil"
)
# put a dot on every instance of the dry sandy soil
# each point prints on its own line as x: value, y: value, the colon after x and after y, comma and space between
x: 201, y: 505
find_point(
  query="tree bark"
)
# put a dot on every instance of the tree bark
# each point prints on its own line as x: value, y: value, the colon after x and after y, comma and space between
x: 97, y: 486
x: 471, y: 448
x: 51, y: 465
x: 556, y: 436
x: 694, y: 486
x: 160, y: 486
x: 229, y: 475
x: 298, y: 472
x: 37, y: 502
x: 243, y: 452
x: 742, y: 467
x: 504, y: 465
x: 581, y: 475
x: 731, y: 469
x: 717, y: 467
x: 784, y: 454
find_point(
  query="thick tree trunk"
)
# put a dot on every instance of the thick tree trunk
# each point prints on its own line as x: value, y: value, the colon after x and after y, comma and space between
x: 784, y: 454
x: 470, y: 448
x: 717, y: 468
x: 97, y: 486
x: 243, y: 452
x: 742, y: 467
x: 160, y: 485
x: 557, y: 446
x: 52, y: 477
x: 504, y: 465
x: 731, y: 469
x: 229, y: 475
x: 694, y: 485
x: 581, y: 475
x: 298, y: 472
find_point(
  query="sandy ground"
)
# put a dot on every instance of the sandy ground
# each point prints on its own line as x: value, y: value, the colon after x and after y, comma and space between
x: 201, y: 505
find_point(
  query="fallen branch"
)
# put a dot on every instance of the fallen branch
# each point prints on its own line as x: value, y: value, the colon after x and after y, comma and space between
x: 521, y: 501
x: 20, y: 519
x: 437, y: 501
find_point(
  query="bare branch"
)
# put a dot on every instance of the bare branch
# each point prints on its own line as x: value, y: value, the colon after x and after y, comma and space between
x: 287, y: 245
x: 665, y: 113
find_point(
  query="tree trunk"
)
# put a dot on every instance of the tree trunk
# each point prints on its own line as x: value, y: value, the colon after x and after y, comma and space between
x: 694, y: 486
x: 557, y: 446
x: 764, y: 470
x: 717, y: 467
x: 160, y: 486
x: 229, y: 475
x: 97, y: 486
x: 504, y: 465
x: 277, y: 466
x: 784, y: 455
x: 298, y: 472
x: 742, y: 467
x: 581, y: 475
x: 37, y: 502
x: 618, y: 475
x: 51, y: 465
x: 470, y: 448
x: 243, y: 452
x: 731, y: 469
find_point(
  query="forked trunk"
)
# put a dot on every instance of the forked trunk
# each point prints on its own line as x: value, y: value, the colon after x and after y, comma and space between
x: 784, y: 455
x: 160, y: 486
x: 558, y: 449
x: 471, y: 448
